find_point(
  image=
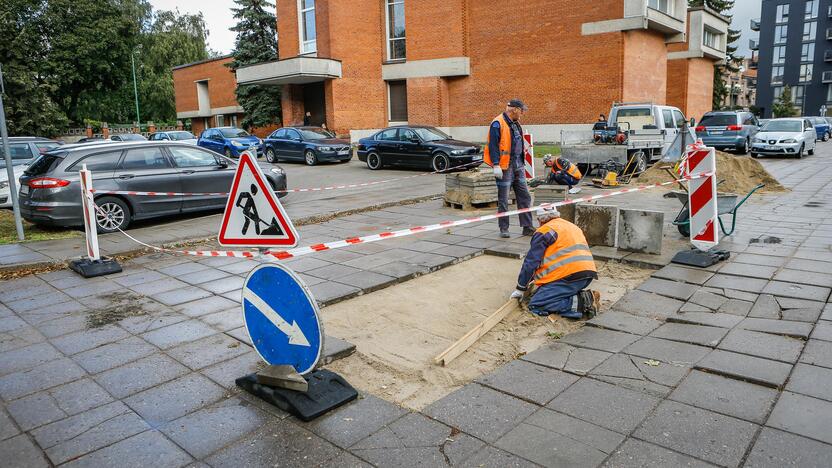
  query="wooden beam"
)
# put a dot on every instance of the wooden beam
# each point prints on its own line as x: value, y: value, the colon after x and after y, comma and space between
x: 461, y: 345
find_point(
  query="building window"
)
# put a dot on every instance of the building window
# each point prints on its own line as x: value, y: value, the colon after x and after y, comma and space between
x: 806, y: 72
x: 810, y: 30
x: 220, y: 120
x: 797, y: 95
x: 396, y: 49
x: 780, y: 34
x: 778, y: 91
x: 665, y: 6
x: 783, y: 13
x: 777, y: 75
x: 308, y: 31
x: 811, y: 9
x: 711, y: 39
x: 829, y: 93
x: 397, y: 99
x: 779, y: 55
x: 807, y: 52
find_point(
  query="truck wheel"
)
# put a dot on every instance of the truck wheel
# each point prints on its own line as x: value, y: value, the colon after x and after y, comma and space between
x: 639, y: 163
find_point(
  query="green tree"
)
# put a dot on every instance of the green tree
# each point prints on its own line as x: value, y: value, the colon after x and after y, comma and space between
x: 732, y: 62
x: 783, y: 106
x: 256, y: 42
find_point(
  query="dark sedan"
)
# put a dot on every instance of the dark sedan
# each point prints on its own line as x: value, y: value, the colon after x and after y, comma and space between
x: 417, y: 146
x: 308, y: 144
x: 50, y: 192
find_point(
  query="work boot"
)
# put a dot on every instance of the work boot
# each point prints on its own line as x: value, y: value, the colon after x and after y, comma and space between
x: 505, y: 234
x: 527, y: 231
x: 589, y: 303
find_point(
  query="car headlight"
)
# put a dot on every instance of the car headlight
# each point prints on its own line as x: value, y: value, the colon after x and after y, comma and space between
x: 276, y: 170
x: 457, y: 152
x: 325, y: 148
x: 237, y: 144
x: 4, y: 184
x: 759, y: 140
x: 790, y: 140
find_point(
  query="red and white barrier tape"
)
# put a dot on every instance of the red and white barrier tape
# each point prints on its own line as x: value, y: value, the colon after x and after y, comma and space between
x: 299, y: 251
x: 297, y: 190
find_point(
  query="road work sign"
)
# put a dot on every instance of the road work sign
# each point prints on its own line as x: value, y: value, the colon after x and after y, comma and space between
x: 253, y: 215
x: 281, y: 318
x: 528, y: 154
x: 702, y: 196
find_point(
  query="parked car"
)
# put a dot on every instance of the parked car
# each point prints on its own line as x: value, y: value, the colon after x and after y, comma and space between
x: 50, y: 193
x: 23, y: 151
x: 788, y: 136
x: 178, y: 135
x: 822, y: 127
x: 728, y: 130
x: 309, y: 144
x: 828, y: 120
x: 763, y: 122
x: 127, y: 137
x: 230, y: 141
x: 416, y: 146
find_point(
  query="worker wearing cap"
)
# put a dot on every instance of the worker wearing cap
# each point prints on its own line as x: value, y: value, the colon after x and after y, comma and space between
x: 504, y: 153
x: 561, y: 266
x: 561, y: 172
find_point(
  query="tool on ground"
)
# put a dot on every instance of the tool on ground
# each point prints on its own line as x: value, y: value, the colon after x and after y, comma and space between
x: 461, y: 345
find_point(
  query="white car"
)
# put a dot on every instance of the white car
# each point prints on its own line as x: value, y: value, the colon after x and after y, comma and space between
x: 5, y: 193
x: 785, y: 137
x: 181, y: 136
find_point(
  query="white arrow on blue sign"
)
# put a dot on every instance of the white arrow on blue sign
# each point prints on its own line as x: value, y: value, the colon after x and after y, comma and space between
x: 282, y: 319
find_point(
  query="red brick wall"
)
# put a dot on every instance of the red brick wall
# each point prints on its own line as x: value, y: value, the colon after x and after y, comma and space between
x: 677, y: 83
x: 427, y: 101
x: 221, y: 85
x: 288, y: 44
x: 645, y: 67
x: 700, y: 88
x: 435, y: 28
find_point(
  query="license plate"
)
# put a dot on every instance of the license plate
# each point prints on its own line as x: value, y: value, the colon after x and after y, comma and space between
x: 343, y: 153
x: 24, y: 189
x: 715, y: 132
x: 771, y: 148
x: 477, y: 157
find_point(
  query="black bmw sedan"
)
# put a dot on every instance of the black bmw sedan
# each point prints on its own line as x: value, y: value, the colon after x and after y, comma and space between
x: 308, y: 144
x: 417, y: 146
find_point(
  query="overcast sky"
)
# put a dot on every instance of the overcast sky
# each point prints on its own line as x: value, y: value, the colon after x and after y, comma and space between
x: 218, y: 18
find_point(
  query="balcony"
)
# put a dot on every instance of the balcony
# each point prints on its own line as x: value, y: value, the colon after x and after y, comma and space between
x: 827, y: 55
x: 777, y: 79
x: 665, y: 16
x: 295, y: 70
x: 829, y: 12
x: 829, y: 34
x: 826, y: 77
x: 754, y: 44
x: 755, y: 25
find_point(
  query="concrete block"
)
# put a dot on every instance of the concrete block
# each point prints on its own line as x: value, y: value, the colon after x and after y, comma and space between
x: 598, y: 222
x: 550, y: 193
x: 567, y: 212
x: 640, y: 231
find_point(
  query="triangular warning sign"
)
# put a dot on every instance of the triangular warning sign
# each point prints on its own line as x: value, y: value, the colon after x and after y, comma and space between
x: 253, y: 215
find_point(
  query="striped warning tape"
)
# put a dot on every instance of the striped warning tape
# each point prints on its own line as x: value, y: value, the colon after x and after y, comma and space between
x: 299, y: 251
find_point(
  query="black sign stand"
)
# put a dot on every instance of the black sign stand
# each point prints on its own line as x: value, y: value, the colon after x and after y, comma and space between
x: 327, y: 391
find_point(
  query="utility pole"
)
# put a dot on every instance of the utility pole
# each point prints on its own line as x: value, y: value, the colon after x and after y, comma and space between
x: 135, y: 86
x: 4, y: 134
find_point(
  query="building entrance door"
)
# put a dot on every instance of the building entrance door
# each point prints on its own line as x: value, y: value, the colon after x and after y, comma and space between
x: 313, y: 101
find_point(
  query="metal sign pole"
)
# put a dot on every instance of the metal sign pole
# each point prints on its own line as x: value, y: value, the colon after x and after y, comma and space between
x: 18, y: 222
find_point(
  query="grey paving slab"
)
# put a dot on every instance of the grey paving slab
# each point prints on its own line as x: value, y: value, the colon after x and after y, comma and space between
x: 57, y: 403
x: 756, y: 259
x: 574, y: 429
x: 480, y: 411
x: 711, y: 319
x: 812, y: 381
x: 491, y: 457
x: 38, y: 302
x: 35, y: 410
x: 87, y: 339
x: 178, y: 333
x: 224, y: 285
x: 750, y: 270
x: 766, y: 306
x: 687, y: 333
x: 822, y: 331
x: 27, y: 357
x: 799, y: 291
x: 207, y: 351
x: 640, y: 374
x: 599, y: 339
x: 777, y: 327
x: 398, y: 269
x: 808, y: 265
x: 528, y: 381
x: 330, y: 291
x: 801, y: 315
x: 622, y: 321
x: 139, y: 277
x: 226, y: 372
x: 186, y: 294
x: 795, y: 303
x: 207, y: 305
x: 667, y: 351
x: 740, y: 283
x: 158, y: 286
x: 708, y: 299
x: 283, y: 441
x: 727, y: 396
x: 171, y: 400
x: 803, y: 415
x: 736, y: 307
x: 549, y: 448
x: 22, y: 383
x: 765, y: 345
x: 567, y: 358
x: 152, y: 321
x: 93, y: 288
x: 802, y: 277
x: 589, y: 399
x: 8, y: 428
x: 20, y: 337
x: 703, y: 434
x: 140, y: 375
x: 114, y: 354
x: 817, y: 352
x: 680, y: 273
x: 647, y: 304
x: 750, y: 368
x: 673, y: 289
x: 21, y: 452
x: 150, y: 448
x: 775, y: 449
x: 636, y: 453
x: 368, y: 281
x: 355, y: 421
x: 225, y: 320
x: 183, y: 269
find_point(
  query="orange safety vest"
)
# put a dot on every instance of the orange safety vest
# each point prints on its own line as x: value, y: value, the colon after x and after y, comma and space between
x: 568, y: 255
x: 505, y: 144
x: 571, y: 169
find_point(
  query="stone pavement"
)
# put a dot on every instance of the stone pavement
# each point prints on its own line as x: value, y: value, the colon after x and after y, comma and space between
x: 729, y: 366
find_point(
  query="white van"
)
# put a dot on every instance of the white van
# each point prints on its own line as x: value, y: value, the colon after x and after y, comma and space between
x: 649, y: 122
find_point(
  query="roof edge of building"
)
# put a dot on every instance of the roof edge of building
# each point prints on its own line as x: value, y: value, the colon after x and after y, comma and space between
x: 200, y: 62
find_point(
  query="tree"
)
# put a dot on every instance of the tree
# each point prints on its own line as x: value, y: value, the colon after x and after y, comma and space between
x: 732, y: 62
x: 784, y: 107
x: 256, y: 42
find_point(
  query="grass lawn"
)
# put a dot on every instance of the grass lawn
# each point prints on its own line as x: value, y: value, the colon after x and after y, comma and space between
x: 8, y: 234
x: 541, y: 150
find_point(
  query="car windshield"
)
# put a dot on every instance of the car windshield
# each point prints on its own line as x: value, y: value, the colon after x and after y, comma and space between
x: 181, y: 136
x: 430, y: 134
x: 132, y: 137
x: 315, y: 133
x: 718, y: 120
x: 234, y: 132
x: 782, y: 126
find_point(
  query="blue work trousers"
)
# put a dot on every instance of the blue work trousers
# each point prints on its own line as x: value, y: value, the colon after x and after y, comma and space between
x: 557, y: 297
x: 562, y: 178
x: 513, y: 177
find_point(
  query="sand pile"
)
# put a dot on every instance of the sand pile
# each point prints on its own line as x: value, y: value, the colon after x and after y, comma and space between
x: 739, y: 173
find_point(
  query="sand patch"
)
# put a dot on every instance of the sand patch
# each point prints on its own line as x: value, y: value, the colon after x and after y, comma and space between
x: 739, y: 173
x: 399, y: 330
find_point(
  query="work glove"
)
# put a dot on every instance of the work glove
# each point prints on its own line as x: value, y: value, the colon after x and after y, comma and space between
x: 517, y: 294
x: 498, y: 172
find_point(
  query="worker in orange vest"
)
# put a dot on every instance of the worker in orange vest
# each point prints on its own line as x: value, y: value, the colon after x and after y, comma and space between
x: 561, y: 172
x: 504, y: 153
x: 561, y: 266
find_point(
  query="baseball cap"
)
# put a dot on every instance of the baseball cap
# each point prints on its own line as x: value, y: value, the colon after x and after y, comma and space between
x: 517, y: 103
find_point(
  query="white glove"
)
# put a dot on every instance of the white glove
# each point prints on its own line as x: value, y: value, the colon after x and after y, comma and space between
x: 498, y: 172
x: 517, y: 294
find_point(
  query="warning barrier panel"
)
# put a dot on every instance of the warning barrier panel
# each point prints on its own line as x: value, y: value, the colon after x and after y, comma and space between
x: 702, y: 196
x: 528, y: 154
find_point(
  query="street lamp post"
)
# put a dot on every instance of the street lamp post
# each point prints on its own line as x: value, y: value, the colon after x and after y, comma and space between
x: 135, y: 86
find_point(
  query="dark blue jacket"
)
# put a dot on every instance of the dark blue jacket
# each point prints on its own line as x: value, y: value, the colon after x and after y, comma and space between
x: 539, y: 244
x: 494, y: 141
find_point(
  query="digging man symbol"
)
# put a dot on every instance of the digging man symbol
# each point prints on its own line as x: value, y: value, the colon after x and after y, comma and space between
x: 246, y: 201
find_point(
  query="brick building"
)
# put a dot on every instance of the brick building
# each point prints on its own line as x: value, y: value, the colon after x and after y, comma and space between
x: 204, y: 93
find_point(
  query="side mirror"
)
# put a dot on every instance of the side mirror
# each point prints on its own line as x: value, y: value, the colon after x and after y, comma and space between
x: 222, y: 163
x: 692, y: 123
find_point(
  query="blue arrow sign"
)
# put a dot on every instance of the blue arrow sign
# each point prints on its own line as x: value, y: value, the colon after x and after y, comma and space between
x: 281, y: 317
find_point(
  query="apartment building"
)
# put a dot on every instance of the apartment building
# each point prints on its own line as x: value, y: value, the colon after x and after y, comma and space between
x: 741, y: 85
x: 205, y: 94
x: 795, y: 50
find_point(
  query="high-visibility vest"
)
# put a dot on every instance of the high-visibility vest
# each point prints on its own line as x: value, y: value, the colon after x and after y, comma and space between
x: 505, y: 143
x: 571, y: 169
x: 568, y: 255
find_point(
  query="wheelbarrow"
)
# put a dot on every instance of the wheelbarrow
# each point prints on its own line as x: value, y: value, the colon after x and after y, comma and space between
x: 726, y: 204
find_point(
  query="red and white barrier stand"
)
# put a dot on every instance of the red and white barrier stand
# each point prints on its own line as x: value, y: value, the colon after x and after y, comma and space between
x: 92, y: 264
x: 528, y: 155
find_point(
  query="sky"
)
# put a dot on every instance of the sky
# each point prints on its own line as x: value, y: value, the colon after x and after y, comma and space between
x: 218, y: 19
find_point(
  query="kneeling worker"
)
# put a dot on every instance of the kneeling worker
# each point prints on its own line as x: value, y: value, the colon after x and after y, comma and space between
x: 562, y: 172
x: 561, y: 266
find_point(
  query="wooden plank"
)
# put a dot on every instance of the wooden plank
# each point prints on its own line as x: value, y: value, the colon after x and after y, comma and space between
x: 461, y: 345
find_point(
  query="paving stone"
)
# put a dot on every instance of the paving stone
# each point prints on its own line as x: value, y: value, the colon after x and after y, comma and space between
x: 750, y: 270
x: 528, y: 381
x: 140, y: 277
x: 140, y: 375
x: 598, y: 222
x: 640, y: 231
x: 727, y: 396
x: 802, y: 277
x: 22, y: 383
x: 687, y: 275
x: 225, y: 320
x: 736, y: 307
x: 367, y: 281
x: 186, y: 294
x: 145, y: 323
x: 330, y: 292
x: 811, y: 381
x: 801, y: 315
x: 113, y: 355
x: 754, y: 285
x: 670, y: 352
x: 87, y: 339
x: 480, y: 411
x: 803, y: 415
x: 174, y: 399
x: 567, y: 358
x: 39, y: 302
x: 549, y: 448
x: 491, y: 457
x: 687, y: 333
x: 19, y: 338
x: 755, y: 259
x: 765, y: 345
x: 91, y: 430
x: 774, y: 449
x: 621, y: 321
x: 347, y: 460
x: 600, y: 339
x: 817, y: 352
x: 691, y: 307
x: 207, y: 351
x: 204, y: 276
x: 241, y: 334
x: 794, y: 303
x: 741, y: 366
x: 647, y: 304
x: 182, y: 332
x: 27, y: 357
x: 710, y: 300
x: 697, y: 432
x: 822, y: 331
x: 335, y: 348
x: 206, y: 306
x: 673, y: 289
x: 183, y: 269
x: 158, y: 286
x: 799, y: 291
x: 766, y: 306
x: 224, y: 285
x: 808, y: 265
x: 149, y: 448
x: 589, y: 399
x: 21, y: 452
x: 283, y: 442
x: 93, y: 288
x: 401, y: 270
x: 355, y: 421
x: 711, y: 319
x: 636, y: 453
x: 741, y: 295
x: 35, y: 410
x: 634, y: 373
x: 8, y: 429
x: 827, y: 313
x: 226, y: 372
x: 777, y: 327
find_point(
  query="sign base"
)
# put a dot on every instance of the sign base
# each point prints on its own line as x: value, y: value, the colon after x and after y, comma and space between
x: 92, y: 268
x: 326, y: 391
x: 700, y: 259
x: 284, y: 377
